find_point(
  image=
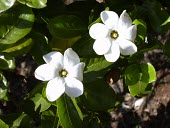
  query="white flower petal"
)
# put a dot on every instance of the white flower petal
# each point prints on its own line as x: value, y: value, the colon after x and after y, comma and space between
x: 110, y: 19
x: 70, y: 58
x: 130, y: 33
x: 124, y: 21
x: 98, y: 30
x: 127, y: 47
x: 102, y: 46
x: 45, y: 72
x: 77, y: 71
x: 53, y: 58
x: 55, y: 88
x: 74, y: 87
x: 113, y: 54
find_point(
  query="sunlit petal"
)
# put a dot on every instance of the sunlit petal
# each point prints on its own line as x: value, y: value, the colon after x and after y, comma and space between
x: 124, y: 21
x: 55, y: 88
x: 98, y: 30
x: 46, y: 72
x: 130, y: 33
x: 74, y: 87
x: 113, y: 54
x: 53, y: 58
x: 77, y: 71
x: 70, y: 58
x: 127, y: 47
x: 110, y: 19
x: 102, y: 46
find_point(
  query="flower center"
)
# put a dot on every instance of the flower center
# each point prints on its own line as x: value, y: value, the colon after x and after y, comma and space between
x: 63, y: 73
x: 114, y: 34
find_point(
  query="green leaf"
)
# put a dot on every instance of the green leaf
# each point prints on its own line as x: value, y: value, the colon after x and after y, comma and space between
x: 34, y: 3
x: 62, y: 44
x: 95, y: 64
x: 148, y: 72
x: 140, y: 89
x: 40, y: 43
x: 14, y: 25
x: 67, y: 113
x: 37, y: 89
x: 6, y: 4
x: 84, y: 47
x: 132, y: 74
x: 156, y: 14
x: 17, y: 120
x: 66, y: 26
x: 166, y: 25
x: 22, y: 121
x: 141, y: 29
x: 98, y: 20
x: 3, y: 86
x: 3, y: 125
x: 140, y: 85
x: 41, y: 102
x: 21, y: 47
x: 95, y: 68
x: 77, y: 108
x: 6, y: 62
x: 49, y: 119
x: 98, y: 95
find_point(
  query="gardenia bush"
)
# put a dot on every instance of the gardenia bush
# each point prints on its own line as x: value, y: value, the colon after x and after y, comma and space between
x: 82, y: 48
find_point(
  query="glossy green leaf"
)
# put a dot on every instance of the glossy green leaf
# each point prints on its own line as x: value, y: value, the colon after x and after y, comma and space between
x: 156, y: 14
x: 84, y: 47
x: 66, y: 26
x: 98, y: 95
x: 34, y: 3
x: 17, y: 120
x: 3, y: 86
x: 62, y: 44
x: 96, y: 21
x: 132, y: 74
x: 95, y: 64
x: 140, y: 89
x: 140, y: 85
x: 77, y: 108
x: 6, y: 62
x: 22, y: 121
x: 41, y: 102
x: 141, y: 29
x: 14, y: 25
x: 67, y: 113
x: 49, y: 119
x: 166, y: 25
x: 6, y: 4
x: 40, y: 43
x: 21, y: 47
x: 3, y: 125
x: 95, y: 68
x: 148, y: 72
x: 37, y: 89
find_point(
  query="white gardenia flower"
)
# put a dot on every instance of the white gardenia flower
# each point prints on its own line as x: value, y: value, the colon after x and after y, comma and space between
x: 64, y: 74
x: 115, y: 36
